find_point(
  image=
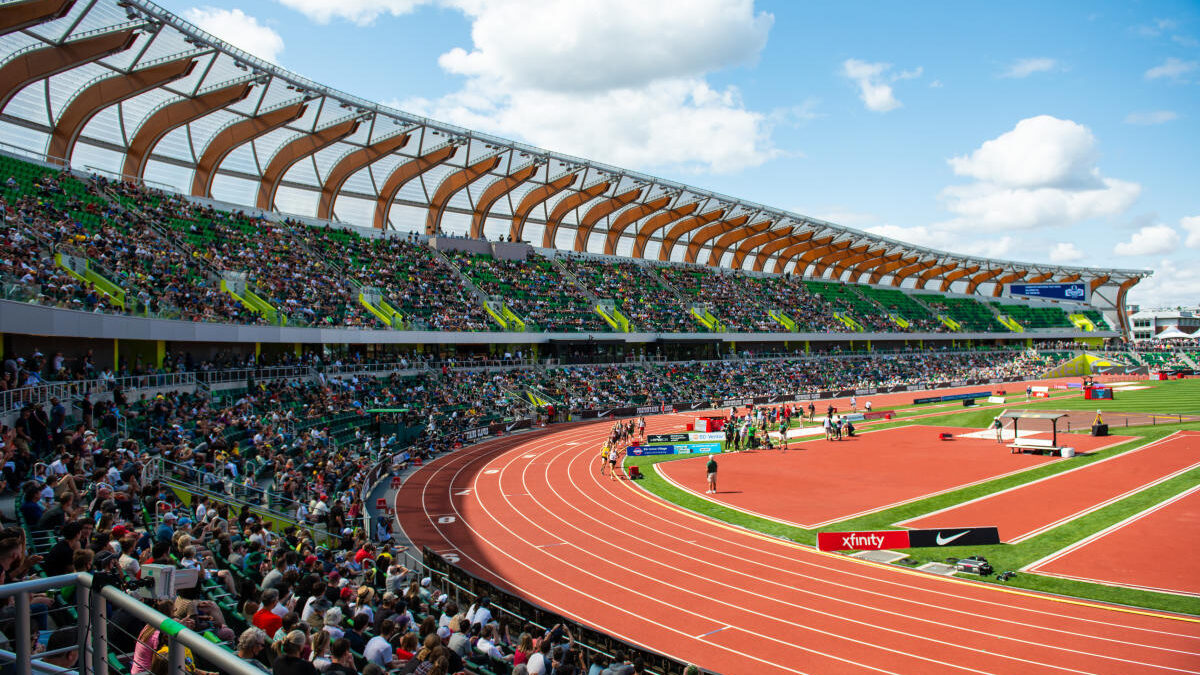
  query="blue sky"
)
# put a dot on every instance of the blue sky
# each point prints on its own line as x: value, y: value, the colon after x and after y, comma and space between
x: 1065, y: 132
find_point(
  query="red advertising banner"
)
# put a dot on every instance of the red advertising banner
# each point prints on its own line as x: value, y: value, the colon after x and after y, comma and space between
x: 862, y: 541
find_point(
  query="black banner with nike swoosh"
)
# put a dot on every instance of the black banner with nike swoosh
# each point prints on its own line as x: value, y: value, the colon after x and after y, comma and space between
x: 953, y: 536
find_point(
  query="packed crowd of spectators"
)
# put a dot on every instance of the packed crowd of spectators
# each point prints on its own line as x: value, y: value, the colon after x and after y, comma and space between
x: 535, y: 290
x: 608, y: 386
x: 327, y: 588
x: 727, y: 295
x: 790, y: 296
x: 411, y: 277
x: 169, y: 255
x: 637, y: 293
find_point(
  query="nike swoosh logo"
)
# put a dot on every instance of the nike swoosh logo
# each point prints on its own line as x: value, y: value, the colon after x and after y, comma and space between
x: 942, y: 541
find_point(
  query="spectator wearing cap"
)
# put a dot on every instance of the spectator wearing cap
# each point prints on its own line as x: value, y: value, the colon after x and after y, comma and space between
x: 449, y: 609
x: 455, y: 661
x: 166, y: 528
x: 426, y: 590
x: 333, y: 622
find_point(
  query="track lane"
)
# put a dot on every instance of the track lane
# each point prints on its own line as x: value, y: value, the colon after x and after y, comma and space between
x: 545, y: 497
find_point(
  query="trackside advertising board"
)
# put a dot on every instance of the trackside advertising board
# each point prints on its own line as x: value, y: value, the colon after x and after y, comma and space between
x: 888, y: 539
x: 676, y: 449
x: 1076, y: 292
x: 693, y: 437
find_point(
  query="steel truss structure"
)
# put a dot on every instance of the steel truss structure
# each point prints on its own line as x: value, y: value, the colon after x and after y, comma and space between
x: 125, y: 87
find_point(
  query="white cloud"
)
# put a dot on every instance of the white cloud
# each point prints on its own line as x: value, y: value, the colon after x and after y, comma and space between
x: 599, y: 46
x: 1042, y: 173
x: 1171, y: 286
x: 1065, y: 252
x: 622, y: 82
x: 942, y: 238
x: 1155, y: 28
x: 1185, y: 40
x: 840, y: 215
x: 873, y: 80
x: 238, y: 29
x: 361, y: 12
x: 1173, y: 68
x: 936, y: 84
x: 1150, y: 240
x: 1027, y: 67
x: 1191, y: 225
x: 1039, y: 151
x: 1151, y: 117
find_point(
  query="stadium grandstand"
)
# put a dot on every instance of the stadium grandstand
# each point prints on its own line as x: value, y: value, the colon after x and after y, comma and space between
x: 240, y: 308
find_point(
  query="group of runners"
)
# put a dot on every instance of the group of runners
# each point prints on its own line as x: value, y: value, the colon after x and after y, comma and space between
x: 741, y: 432
x: 620, y: 437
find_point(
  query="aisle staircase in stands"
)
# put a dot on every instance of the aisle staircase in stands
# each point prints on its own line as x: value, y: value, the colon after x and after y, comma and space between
x: 607, y: 309
x: 494, y: 306
x: 237, y: 288
x: 779, y: 317
x: 87, y: 271
x: 704, y: 317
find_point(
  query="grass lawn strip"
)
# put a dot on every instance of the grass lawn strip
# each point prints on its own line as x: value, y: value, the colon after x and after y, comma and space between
x: 1006, y: 556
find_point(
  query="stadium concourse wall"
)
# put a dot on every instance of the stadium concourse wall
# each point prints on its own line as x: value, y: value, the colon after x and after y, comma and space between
x: 41, y: 320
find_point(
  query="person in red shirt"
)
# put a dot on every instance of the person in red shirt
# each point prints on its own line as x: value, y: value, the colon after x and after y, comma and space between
x: 265, y: 618
x: 367, y: 551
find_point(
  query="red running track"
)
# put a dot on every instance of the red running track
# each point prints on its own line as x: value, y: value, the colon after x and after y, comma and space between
x: 1154, y: 550
x: 532, y: 514
x: 1030, y: 509
x: 818, y: 482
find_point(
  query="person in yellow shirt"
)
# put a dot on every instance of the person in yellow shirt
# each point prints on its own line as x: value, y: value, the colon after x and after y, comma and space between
x: 604, y: 456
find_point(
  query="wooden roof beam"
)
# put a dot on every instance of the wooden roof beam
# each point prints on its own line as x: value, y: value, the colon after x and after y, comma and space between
x: 172, y: 116
x: 352, y: 162
x: 493, y: 193
x: 536, y: 197
x: 648, y: 228
x: 452, y: 185
x: 568, y: 204
x: 404, y: 173
x: 600, y: 211
x: 628, y: 217
x: 102, y: 93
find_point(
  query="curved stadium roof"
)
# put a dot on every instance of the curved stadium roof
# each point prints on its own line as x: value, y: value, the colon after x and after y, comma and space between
x: 126, y: 87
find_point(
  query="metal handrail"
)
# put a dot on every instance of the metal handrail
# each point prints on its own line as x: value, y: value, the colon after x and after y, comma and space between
x: 92, y: 608
x: 262, y: 374
x: 68, y: 389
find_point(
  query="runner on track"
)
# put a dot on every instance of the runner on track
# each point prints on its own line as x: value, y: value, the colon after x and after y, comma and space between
x: 612, y: 462
x: 783, y: 433
x: 604, y: 456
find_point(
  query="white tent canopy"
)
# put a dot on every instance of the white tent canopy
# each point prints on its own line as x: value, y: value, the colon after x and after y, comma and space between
x: 1173, y: 333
